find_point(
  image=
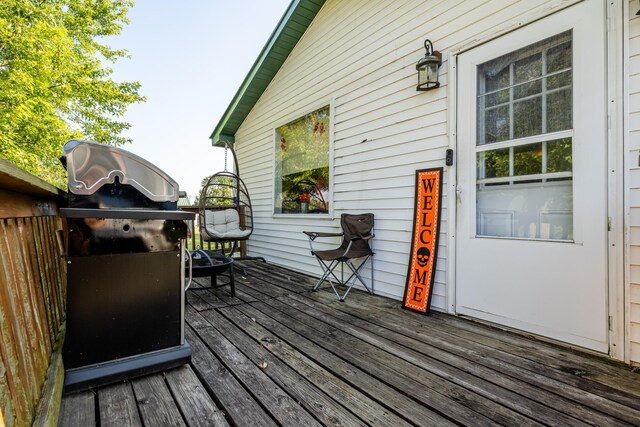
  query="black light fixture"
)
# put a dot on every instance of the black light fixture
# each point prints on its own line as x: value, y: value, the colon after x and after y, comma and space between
x: 428, y: 68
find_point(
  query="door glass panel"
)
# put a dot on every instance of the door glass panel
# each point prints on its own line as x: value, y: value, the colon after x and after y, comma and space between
x: 559, y: 156
x: 496, y: 124
x: 527, y: 117
x: 559, y: 115
x: 527, y: 159
x: 524, y: 185
x: 493, y: 164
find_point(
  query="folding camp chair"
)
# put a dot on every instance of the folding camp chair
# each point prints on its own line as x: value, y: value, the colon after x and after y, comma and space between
x: 354, y: 252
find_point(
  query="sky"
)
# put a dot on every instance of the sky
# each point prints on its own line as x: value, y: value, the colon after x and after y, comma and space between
x: 190, y: 57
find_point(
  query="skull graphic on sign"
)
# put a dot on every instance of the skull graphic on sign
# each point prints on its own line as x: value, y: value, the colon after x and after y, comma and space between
x: 423, y: 255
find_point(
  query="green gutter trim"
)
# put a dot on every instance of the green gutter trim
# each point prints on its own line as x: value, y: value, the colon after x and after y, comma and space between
x: 221, y: 138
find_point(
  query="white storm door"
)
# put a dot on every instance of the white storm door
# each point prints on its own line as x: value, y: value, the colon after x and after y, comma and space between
x: 531, y: 245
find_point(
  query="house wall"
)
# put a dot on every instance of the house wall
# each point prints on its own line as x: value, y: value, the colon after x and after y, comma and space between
x: 361, y: 57
x: 633, y: 202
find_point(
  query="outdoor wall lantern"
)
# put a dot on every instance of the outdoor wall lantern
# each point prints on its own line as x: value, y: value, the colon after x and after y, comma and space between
x: 428, y: 68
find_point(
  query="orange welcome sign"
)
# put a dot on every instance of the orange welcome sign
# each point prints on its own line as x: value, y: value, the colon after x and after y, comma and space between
x: 424, y: 242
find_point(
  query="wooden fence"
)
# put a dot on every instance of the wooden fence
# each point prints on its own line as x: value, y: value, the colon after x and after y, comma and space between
x: 32, y: 291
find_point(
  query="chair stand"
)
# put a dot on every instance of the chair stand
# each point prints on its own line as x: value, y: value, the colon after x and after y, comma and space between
x: 351, y: 280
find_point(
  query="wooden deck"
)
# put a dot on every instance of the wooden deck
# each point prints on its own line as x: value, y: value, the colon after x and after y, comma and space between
x: 278, y: 354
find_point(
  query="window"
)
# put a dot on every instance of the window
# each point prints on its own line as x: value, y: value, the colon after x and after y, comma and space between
x: 524, y: 157
x: 302, y: 164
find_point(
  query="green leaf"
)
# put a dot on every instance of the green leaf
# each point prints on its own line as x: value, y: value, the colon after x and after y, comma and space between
x: 54, y: 85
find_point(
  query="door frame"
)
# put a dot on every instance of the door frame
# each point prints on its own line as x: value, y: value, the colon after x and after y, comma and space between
x: 618, y: 286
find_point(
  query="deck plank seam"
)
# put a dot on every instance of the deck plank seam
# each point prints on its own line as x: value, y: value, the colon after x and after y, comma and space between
x: 272, y: 340
x: 212, y: 393
x: 268, y: 356
x: 402, y: 387
x: 405, y: 415
x: 515, y: 379
x: 209, y: 391
x: 238, y: 378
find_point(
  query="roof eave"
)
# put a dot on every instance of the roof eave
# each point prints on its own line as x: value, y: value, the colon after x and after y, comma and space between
x: 220, y: 139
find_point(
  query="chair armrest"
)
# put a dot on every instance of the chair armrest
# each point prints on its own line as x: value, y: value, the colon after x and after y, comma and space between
x: 314, y: 234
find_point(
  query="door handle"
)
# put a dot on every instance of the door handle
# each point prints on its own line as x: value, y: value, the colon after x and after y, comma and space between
x: 459, y: 193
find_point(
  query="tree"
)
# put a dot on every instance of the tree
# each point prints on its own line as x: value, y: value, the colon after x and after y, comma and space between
x: 53, y: 84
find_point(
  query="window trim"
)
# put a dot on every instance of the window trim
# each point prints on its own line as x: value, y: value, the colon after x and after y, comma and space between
x: 288, y: 119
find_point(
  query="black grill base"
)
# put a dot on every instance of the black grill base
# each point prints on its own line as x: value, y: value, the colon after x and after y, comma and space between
x: 122, y: 305
x: 116, y: 370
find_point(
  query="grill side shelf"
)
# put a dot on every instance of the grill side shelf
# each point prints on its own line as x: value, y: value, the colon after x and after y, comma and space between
x: 126, y: 214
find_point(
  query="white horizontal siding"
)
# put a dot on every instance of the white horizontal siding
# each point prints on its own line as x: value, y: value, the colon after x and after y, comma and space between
x: 634, y: 182
x: 361, y: 55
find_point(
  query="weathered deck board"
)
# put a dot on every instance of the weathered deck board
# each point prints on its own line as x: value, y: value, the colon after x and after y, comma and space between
x: 564, y: 384
x: 353, y: 373
x: 230, y: 395
x: 196, y: 405
x: 410, y: 377
x: 278, y: 354
x: 302, y: 391
x: 465, y: 406
x: 118, y: 406
x: 276, y: 401
x: 371, y: 412
x: 155, y: 402
x: 561, y: 360
x: 78, y: 410
x: 515, y: 393
x: 574, y: 368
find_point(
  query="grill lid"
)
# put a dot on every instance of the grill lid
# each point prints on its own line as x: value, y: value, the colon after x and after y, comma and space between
x: 91, y: 165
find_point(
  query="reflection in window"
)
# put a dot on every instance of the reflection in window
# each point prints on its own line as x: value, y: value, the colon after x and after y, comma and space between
x: 526, y: 92
x: 302, y: 164
x: 524, y: 175
x: 536, y: 162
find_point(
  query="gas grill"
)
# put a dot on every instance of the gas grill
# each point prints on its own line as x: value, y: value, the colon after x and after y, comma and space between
x: 126, y: 261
